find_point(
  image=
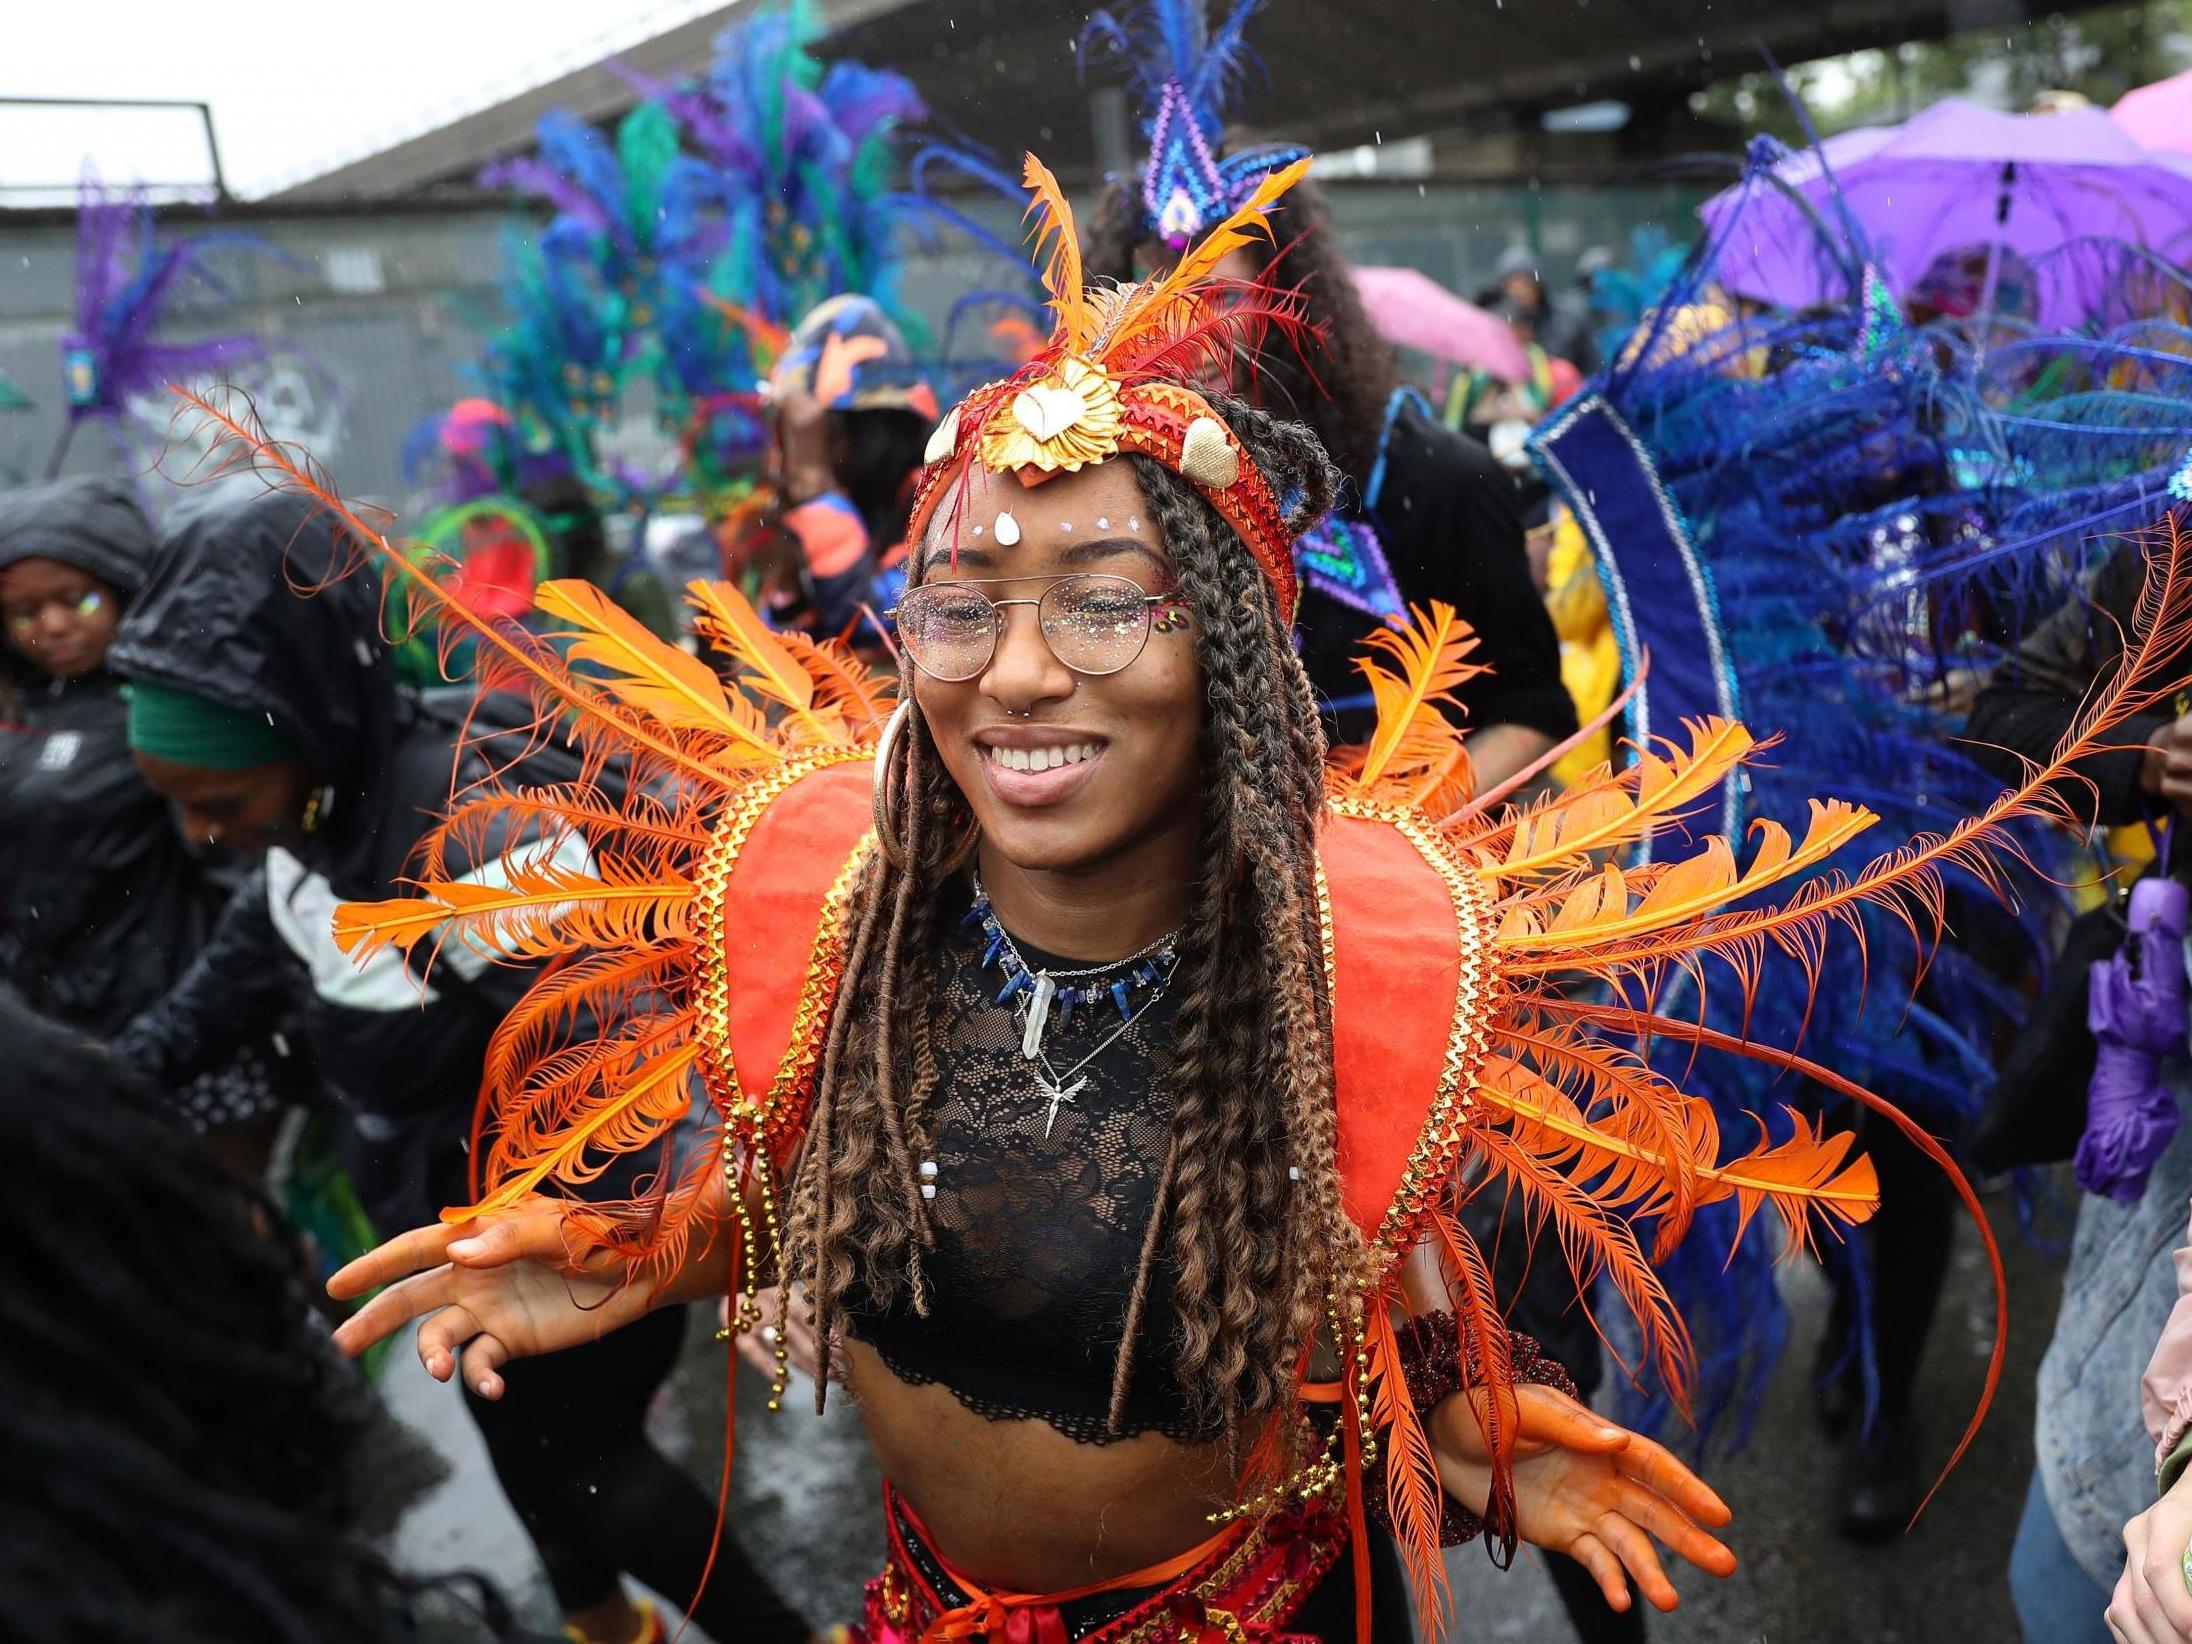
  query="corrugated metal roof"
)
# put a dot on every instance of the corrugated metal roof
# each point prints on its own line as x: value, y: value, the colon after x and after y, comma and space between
x: 1341, y: 72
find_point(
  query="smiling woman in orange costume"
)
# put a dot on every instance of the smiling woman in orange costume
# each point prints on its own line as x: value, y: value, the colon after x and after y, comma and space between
x: 1108, y: 1067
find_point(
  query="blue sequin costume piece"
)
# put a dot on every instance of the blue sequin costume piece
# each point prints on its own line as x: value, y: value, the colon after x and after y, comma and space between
x: 1775, y: 502
x: 1186, y: 72
x: 1343, y: 559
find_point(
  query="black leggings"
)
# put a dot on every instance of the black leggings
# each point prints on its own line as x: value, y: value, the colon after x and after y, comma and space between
x: 569, y: 1446
x: 1910, y: 1241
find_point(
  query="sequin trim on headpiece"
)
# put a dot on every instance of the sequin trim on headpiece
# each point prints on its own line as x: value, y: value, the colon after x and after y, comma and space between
x: 1186, y: 72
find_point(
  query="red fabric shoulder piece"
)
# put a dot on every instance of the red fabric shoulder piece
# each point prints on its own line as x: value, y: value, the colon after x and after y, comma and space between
x: 772, y: 903
x: 1409, y: 958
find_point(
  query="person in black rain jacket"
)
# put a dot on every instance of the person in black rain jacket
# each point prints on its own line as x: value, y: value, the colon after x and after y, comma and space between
x: 278, y: 729
x: 102, y: 903
x: 274, y: 722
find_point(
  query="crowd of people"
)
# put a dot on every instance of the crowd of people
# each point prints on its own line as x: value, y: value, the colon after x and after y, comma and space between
x: 1164, y: 919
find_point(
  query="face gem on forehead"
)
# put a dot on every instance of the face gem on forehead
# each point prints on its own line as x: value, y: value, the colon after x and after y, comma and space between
x: 1102, y: 524
x: 1008, y: 528
x: 1134, y: 524
x: 980, y: 529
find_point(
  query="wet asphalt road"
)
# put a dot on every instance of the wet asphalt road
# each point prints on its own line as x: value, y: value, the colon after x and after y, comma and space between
x: 804, y: 1501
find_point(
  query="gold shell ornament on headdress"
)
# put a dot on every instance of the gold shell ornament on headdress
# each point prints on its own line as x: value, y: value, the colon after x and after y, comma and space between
x: 1066, y: 420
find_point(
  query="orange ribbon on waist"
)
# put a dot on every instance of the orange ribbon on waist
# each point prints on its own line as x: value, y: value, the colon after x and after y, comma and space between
x: 1034, y: 1618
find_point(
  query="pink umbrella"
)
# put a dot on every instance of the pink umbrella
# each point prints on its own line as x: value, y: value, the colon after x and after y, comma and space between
x: 2159, y: 115
x: 1415, y: 311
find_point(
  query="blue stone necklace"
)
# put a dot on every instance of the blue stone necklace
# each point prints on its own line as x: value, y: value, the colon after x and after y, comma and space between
x: 1035, y: 993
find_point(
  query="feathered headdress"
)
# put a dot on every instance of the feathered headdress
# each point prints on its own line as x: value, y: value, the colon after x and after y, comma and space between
x: 1186, y: 73
x: 610, y: 286
x: 1790, y: 513
x: 1115, y: 377
x: 129, y: 281
x: 1482, y: 961
x: 803, y: 156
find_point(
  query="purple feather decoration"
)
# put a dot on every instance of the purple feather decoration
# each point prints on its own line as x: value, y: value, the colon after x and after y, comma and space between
x: 127, y: 280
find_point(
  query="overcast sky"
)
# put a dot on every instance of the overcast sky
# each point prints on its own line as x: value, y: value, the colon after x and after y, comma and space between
x: 295, y: 85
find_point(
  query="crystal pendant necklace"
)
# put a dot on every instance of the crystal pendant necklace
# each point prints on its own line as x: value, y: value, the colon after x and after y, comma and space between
x: 1037, y: 992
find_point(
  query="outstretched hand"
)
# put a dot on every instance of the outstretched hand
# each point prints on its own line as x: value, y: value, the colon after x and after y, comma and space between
x: 504, y: 1287
x: 1587, y: 1488
x: 2152, y: 1603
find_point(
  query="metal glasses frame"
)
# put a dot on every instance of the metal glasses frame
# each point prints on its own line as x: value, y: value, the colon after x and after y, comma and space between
x: 1175, y: 616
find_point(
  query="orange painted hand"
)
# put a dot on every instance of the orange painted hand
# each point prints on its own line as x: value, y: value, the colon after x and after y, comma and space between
x: 504, y: 1287
x: 1587, y: 1488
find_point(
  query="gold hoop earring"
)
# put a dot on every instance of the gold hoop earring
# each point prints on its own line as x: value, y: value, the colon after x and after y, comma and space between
x: 884, y: 789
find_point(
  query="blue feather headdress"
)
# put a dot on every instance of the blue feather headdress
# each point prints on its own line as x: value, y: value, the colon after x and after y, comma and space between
x: 1773, y: 501
x: 1187, y: 73
x: 802, y: 159
x: 682, y: 253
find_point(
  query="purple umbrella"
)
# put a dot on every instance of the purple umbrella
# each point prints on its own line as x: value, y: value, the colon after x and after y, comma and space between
x: 1952, y: 178
x: 2135, y: 1005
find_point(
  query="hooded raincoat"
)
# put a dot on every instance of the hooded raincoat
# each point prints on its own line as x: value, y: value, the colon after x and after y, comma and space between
x: 102, y: 904
x: 223, y: 614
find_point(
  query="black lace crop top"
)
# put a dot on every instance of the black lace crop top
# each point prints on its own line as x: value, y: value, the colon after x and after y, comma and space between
x: 1039, y: 1220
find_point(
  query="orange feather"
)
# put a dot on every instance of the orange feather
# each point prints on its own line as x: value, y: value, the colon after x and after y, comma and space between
x: 1683, y: 892
x: 639, y: 1101
x: 1062, y: 261
x: 662, y: 681
x: 1415, y: 754
x: 543, y: 911
x: 1615, y: 811
x: 1481, y: 1333
x: 819, y: 696
x: 1413, y: 1492
x: 861, y: 698
x: 1808, y: 1174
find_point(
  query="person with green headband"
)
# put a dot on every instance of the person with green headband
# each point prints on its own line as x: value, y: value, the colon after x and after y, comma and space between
x: 237, y: 777
x: 274, y: 723
x: 102, y: 905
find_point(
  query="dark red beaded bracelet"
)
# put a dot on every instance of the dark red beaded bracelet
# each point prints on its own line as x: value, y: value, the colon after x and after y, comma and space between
x: 1431, y: 1365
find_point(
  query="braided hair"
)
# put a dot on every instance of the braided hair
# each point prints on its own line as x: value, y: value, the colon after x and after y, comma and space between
x: 183, y: 1442
x: 1248, y: 1199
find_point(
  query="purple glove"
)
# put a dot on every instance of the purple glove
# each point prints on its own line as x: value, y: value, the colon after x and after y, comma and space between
x: 2135, y: 1005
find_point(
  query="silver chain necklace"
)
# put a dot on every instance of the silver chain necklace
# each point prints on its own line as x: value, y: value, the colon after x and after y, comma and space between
x: 1053, y: 1083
